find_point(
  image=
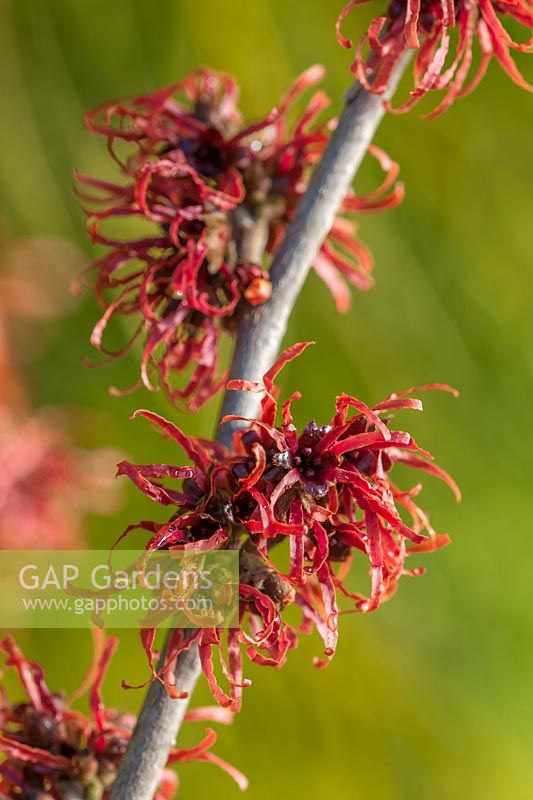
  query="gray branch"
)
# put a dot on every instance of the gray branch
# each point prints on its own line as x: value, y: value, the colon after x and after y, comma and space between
x: 155, y: 733
x: 259, y: 336
x: 261, y: 329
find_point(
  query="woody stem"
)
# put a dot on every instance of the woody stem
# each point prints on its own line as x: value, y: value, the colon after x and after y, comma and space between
x: 161, y: 717
x: 260, y: 332
x: 261, y: 329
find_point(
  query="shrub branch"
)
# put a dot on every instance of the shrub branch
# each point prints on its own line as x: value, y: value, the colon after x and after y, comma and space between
x: 260, y: 332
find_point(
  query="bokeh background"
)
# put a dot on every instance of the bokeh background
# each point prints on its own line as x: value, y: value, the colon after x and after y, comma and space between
x: 433, y: 695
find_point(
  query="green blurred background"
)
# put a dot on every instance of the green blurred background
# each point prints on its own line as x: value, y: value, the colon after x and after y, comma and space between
x: 432, y: 696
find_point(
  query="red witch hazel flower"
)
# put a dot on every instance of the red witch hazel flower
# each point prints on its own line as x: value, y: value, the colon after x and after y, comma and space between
x: 46, y: 484
x: 323, y: 495
x: 52, y: 751
x: 428, y: 27
x: 197, y: 177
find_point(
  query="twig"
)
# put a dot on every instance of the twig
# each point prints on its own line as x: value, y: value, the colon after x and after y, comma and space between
x: 155, y: 733
x: 161, y: 717
x: 261, y: 329
x: 259, y: 336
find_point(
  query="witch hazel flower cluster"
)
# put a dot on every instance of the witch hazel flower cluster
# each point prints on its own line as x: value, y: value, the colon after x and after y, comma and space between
x: 48, y: 486
x: 53, y: 751
x: 443, y: 34
x: 193, y: 177
x: 323, y: 496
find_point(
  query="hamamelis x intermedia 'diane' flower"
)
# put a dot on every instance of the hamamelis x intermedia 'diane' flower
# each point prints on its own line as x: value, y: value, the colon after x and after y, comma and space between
x: 189, y: 168
x: 48, y: 485
x: 430, y: 27
x: 53, y: 751
x: 324, y: 491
